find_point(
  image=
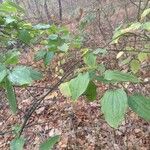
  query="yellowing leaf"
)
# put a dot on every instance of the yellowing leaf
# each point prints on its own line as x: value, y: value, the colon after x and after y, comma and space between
x: 119, y: 54
x: 145, y: 13
x: 142, y: 56
x: 64, y: 88
x: 146, y: 26
x: 135, y: 65
x: 75, y: 87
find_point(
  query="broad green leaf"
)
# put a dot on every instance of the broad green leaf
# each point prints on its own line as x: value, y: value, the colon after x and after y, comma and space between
x: 12, y: 4
x: 3, y: 72
x: 91, y: 92
x: 17, y: 144
x: 12, y: 57
x: 114, y: 106
x: 41, y: 26
x: 11, y: 96
x: 53, y: 37
x: 78, y: 85
x: 146, y: 26
x: 35, y: 75
x: 140, y: 105
x: 145, y: 13
x: 90, y: 59
x: 9, y: 6
x: 49, y: 143
x: 142, y: 56
x: 115, y: 75
x: 135, y: 65
x: 24, y: 36
x: 75, y: 87
x: 64, y: 89
x: 22, y: 75
x: 103, y: 80
x: 102, y: 51
x: 40, y: 55
x: 48, y: 57
x: 9, y: 19
x: 64, y: 47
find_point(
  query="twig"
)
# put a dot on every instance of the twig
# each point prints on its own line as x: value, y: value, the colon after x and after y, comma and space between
x: 139, y: 10
x: 128, y: 51
x: 37, y: 103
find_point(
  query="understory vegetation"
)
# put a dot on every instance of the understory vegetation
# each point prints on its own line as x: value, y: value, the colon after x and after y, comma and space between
x: 80, y: 65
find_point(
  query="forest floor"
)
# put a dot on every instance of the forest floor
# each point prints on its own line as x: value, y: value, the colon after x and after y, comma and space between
x: 81, y: 124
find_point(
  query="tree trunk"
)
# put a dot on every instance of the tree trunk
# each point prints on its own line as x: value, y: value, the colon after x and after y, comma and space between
x: 60, y: 9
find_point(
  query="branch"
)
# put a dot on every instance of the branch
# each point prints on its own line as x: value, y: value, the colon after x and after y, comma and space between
x: 128, y: 51
x: 38, y: 101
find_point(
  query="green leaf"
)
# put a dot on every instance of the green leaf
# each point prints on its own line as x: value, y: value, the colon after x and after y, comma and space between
x: 78, y: 85
x: 40, y: 55
x: 9, y: 19
x: 48, y: 58
x: 134, y: 26
x: 53, y: 37
x: 11, y: 96
x: 41, y: 26
x: 49, y: 143
x: 75, y: 87
x: 24, y: 36
x: 22, y: 75
x: 135, y: 65
x: 64, y: 47
x: 91, y: 92
x: 146, y: 26
x: 17, y: 144
x: 114, y: 106
x: 64, y: 89
x: 145, y: 13
x: 3, y: 72
x: 102, y: 51
x: 16, y: 129
x: 103, y: 80
x: 142, y: 56
x: 90, y: 59
x: 12, y: 57
x: 115, y: 75
x: 9, y: 6
x: 35, y: 75
x: 140, y: 105
x: 12, y: 4
x: 120, y: 32
x: 126, y: 61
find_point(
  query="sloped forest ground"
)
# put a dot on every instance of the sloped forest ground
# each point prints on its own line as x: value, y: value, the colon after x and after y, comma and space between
x: 81, y: 124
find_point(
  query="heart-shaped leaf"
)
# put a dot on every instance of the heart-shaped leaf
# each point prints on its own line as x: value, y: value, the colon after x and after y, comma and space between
x: 114, y: 106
